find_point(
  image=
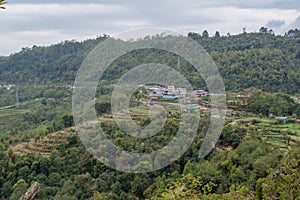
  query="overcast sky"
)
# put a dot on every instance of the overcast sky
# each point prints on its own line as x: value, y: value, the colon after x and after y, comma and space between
x: 42, y: 22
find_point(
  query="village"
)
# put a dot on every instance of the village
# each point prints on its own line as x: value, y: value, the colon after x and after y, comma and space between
x: 166, y: 96
x: 198, y: 100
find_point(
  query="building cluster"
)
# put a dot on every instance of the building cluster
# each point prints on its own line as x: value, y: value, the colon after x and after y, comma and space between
x: 171, y: 92
x: 190, y: 98
x: 200, y: 93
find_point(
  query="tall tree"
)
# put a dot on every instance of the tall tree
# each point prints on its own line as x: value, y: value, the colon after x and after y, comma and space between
x: 263, y: 30
x: 205, y: 34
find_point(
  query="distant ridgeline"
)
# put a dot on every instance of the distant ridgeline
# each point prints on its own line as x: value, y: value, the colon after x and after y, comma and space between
x: 262, y: 59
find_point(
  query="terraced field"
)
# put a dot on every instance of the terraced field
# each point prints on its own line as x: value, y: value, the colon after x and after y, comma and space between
x: 44, y: 145
x: 281, y: 135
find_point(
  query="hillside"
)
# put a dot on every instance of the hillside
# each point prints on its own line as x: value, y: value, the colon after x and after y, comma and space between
x: 256, y: 157
x: 263, y: 60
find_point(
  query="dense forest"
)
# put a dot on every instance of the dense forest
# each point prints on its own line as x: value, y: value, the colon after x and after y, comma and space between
x: 256, y: 157
x: 263, y: 59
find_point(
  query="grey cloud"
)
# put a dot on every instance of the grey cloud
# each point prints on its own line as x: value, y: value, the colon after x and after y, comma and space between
x: 281, y: 4
x: 43, y: 24
x: 296, y: 24
x: 61, y: 18
x: 288, y: 4
x: 275, y: 23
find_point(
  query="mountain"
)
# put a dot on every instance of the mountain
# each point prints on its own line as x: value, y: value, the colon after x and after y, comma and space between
x: 263, y: 60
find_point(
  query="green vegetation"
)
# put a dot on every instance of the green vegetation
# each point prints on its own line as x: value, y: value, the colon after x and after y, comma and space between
x: 242, y: 166
x: 263, y: 60
x: 278, y: 104
x: 257, y: 156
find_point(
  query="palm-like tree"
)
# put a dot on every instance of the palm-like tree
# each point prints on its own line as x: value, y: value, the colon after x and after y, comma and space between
x: 2, y: 2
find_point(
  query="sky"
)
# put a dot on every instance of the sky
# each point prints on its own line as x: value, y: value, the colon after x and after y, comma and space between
x: 43, y: 22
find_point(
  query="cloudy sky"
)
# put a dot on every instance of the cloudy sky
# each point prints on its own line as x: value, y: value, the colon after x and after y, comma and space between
x: 42, y: 22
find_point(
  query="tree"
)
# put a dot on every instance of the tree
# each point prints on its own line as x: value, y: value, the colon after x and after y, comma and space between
x: 68, y: 120
x: 104, y: 196
x: 18, y: 189
x: 2, y: 2
x: 263, y: 30
x: 283, y: 183
x: 205, y: 34
x: 54, y: 179
x: 293, y: 32
x: 231, y: 136
x: 188, y: 187
x: 139, y: 184
x: 217, y: 34
x: 41, y: 131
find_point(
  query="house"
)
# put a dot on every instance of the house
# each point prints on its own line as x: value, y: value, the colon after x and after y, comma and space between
x: 234, y: 94
x: 66, y: 99
x: 51, y: 100
x: 230, y: 113
x: 250, y: 90
x: 8, y: 87
x: 248, y: 95
x: 281, y: 118
x: 296, y: 121
x: 166, y: 96
x: 207, y: 110
x: 193, y: 107
x: 240, y: 96
x: 156, y: 92
x: 182, y: 91
x: 155, y: 96
x: 201, y: 93
x: 170, y: 90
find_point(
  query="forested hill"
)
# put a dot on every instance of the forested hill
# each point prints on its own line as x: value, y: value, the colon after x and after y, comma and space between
x: 41, y: 65
x: 262, y: 59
